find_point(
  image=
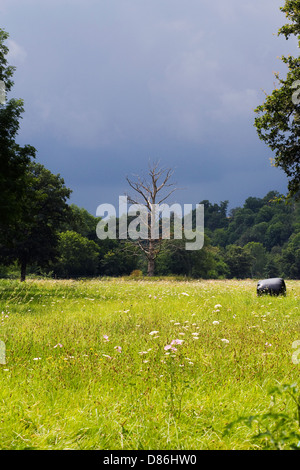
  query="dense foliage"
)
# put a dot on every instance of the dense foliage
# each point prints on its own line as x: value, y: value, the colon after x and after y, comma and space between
x: 278, y: 119
x: 14, y: 158
x: 259, y: 239
x: 32, y: 235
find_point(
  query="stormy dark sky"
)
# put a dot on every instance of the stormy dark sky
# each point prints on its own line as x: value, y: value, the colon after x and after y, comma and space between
x: 110, y: 84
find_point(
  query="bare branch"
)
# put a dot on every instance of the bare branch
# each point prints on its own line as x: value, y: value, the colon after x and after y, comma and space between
x: 168, y: 195
x: 148, y: 190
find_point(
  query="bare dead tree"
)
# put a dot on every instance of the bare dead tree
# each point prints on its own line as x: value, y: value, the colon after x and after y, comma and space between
x: 150, y: 192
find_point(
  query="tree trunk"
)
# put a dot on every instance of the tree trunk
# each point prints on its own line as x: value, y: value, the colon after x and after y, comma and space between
x: 151, y: 265
x: 151, y: 259
x: 23, y: 270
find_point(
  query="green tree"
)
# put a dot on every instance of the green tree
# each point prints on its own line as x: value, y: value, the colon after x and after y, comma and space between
x: 257, y: 233
x: 14, y: 159
x: 264, y: 214
x: 121, y: 260
x: 273, y: 267
x: 278, y: 118
x: 77, y: 256
x: 253, y: 203
x: 81, y: 221
x: 291, y: 257
x: 32, y: 237
x: 239, y: 261
x: 276, y: 234
x: 205, y: 263
x: 173, y: 259
x: 259, y: 258
x: 215, y: 215
x: 219, y: 237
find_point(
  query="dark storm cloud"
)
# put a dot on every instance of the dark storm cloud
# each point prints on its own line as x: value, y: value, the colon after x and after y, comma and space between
x: 109, y: 84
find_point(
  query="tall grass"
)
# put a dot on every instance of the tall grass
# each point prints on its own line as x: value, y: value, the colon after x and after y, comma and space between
x: 94, y: 365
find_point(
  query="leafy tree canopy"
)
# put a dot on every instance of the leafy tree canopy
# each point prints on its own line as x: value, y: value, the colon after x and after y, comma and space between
x: 278, y: 118
x: 32, y: 236
x: 14, y: 159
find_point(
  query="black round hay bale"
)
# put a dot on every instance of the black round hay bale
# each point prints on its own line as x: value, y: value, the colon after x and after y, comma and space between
x: 273, y: 286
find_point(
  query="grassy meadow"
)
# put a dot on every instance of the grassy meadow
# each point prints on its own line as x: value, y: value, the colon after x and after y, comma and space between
x: 148, y: 364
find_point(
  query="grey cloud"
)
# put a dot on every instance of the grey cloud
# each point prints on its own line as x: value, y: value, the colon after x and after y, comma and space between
x: 108, y: 84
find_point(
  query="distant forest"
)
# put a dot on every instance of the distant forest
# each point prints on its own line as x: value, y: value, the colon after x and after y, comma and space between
x: 259, y: 239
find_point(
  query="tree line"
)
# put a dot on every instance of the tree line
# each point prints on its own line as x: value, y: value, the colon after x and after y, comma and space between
x: 259, y: 239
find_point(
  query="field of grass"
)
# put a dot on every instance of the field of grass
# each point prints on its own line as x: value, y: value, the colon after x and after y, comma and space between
x: 139, y: 364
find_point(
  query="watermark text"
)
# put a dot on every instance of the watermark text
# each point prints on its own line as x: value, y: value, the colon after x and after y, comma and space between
x: 152, y: 222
